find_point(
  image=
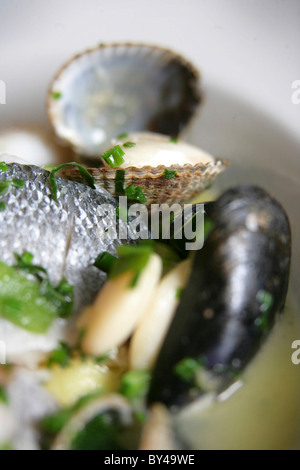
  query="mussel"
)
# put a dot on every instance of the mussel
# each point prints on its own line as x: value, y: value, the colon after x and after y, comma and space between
x: 237, y: 286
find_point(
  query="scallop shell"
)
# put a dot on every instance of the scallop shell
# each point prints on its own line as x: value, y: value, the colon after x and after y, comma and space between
x: 116, y: 88
x: 189, y: 181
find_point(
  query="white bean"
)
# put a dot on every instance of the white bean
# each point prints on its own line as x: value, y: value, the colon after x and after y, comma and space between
x: 153, y: 326
x: 118, y: 307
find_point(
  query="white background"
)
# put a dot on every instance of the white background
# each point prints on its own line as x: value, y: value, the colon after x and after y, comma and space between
x: 250, y: 48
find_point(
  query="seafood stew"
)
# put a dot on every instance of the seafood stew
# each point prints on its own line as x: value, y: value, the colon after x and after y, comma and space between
x: 117, y: 336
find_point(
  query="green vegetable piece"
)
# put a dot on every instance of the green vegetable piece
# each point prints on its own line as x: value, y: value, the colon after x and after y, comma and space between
x: 187, y: 368
x: 122, y: 136
x: 265, y: 300
x: 179, y: 292
x: 54, y: 423
x: 22, y: 302
x: 114, y: 156
x: 3, y: 395
x: 56, y: 95
x: 3, y: 166
x: 169, y: 174
x: 129, y: 144
x: 84, y: 173
x: 4, y: 187
x: 131, y: 258
x: 105, y: 262
x: 135, y: 193
x: 60, y: 356
x: 173, y: 140
x: 135, y: 383
x: 17, y: 183
x: 2, y: 206
x: 120, y: 182
x: 101, y: 433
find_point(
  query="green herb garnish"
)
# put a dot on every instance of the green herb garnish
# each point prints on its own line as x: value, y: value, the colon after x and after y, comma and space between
x: 101, y: 432
x: 17, y: 183
x: 169, y: 174
x: 135, y: 383
x: 131, y: 258
x: 84, y: 173
x: 54, y: 423
x: 56, y: 95
x: 4, y: 187
x: 124, y: 135
x: 32, y: 304
x: 105, y: 262
x: 3, y: 166
x: 114, y: 156
x: 2, y: 206
x: 3, y: 395
x: 179, y: 292
x: 173, y: 140
x: 120, y: 182
x: 129, y: 144
x: 60, y: 356
x: 135, y: 193
x: 186, y: 369
x: 265, y: 300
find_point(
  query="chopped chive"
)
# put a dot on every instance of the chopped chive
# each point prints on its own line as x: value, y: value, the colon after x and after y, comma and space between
x: 179, y: 292
x: 169, y: 174
x: 173, y: 140
x: 3, y: 395
x: 124, y: 135
x: 60, y: 356
x: 120, y: 182
x: 2, y: 206
x: 265, y: 300
x: 17, y: 183
x: 131, y: 259
x: 208, y: 226
x: 3, y: 166
x: 129, y: 144
x: 4, y: 187
x: 186, y: 369
x: 56, y: 95
x: 135, y: 193
x: 135, y: 384
x: 105, y: 261
x: 84, y: 173
x: 114, y: 156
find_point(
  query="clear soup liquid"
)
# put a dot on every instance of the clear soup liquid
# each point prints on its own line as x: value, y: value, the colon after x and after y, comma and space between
x: 265, y: 412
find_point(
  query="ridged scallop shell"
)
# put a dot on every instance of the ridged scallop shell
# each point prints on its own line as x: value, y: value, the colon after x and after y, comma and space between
x: 189, y: 181
x: 116, y: 88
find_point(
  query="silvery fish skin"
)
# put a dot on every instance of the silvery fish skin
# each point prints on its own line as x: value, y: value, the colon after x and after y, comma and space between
x: 64, y: 237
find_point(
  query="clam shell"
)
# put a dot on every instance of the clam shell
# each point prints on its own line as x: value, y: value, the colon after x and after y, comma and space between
x: 189, y: 181
x: 116, y: 88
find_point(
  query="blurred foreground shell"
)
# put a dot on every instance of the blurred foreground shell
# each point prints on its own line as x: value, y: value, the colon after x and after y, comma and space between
x: 189, y: 181
x: 117, y: 88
